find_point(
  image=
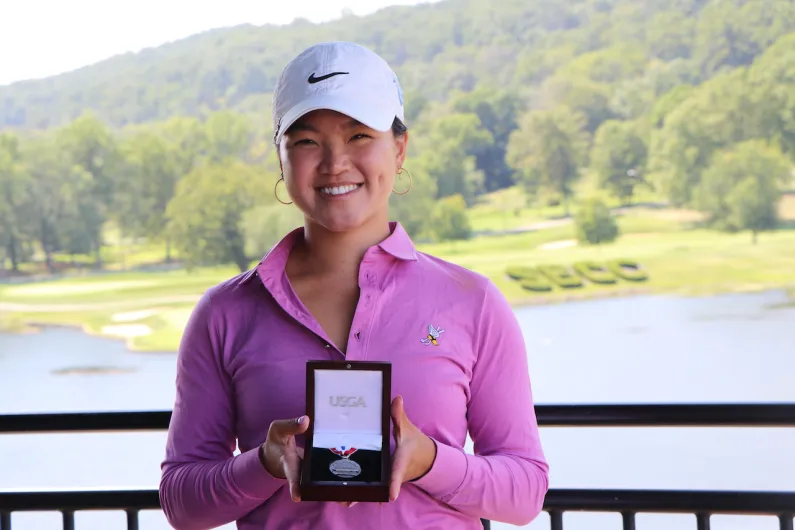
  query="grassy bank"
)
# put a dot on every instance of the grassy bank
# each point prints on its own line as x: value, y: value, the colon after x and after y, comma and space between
x: 149, y: 310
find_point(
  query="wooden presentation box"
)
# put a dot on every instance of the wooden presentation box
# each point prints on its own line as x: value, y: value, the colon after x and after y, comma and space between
x: 346, y: 454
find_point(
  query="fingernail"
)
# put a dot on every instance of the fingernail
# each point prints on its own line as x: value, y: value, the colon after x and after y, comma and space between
x: 300, y: 420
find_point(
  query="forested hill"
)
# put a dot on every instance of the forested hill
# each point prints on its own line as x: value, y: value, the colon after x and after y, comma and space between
x: 610, y: 58
x: 566, y: 102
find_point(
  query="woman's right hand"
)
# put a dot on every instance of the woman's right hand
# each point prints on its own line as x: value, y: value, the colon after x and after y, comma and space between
x: 280, y: 456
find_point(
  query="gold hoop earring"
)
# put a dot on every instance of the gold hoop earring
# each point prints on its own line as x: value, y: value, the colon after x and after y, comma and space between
x: 411, y: 181
x: 275, y: 188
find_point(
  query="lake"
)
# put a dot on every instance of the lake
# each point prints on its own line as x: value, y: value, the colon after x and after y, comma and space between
x: 732, y: 348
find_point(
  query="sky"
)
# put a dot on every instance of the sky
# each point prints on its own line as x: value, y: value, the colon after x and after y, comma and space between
x: 40, y: 38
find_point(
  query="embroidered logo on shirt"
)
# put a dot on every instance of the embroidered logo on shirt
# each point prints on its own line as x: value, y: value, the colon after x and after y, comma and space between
x: 433, y: 336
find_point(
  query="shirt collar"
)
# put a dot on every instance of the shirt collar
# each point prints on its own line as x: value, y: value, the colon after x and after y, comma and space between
x: 398, y: 244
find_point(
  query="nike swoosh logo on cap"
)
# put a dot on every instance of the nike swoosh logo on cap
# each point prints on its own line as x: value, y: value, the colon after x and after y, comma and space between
x: 312, y: 79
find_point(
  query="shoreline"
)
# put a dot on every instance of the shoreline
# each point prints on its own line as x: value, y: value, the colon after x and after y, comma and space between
x: 34, y: 325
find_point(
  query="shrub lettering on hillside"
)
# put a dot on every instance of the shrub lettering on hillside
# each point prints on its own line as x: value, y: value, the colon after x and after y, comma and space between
x: 594, y: 272
x: 561, y: 276
x: 544, y: 278
x: 530, y: 278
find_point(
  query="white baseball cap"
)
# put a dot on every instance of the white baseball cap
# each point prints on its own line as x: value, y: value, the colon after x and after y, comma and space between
x: 340, y: 76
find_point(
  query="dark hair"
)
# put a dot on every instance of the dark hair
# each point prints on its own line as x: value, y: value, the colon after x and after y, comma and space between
x: 398, y: 128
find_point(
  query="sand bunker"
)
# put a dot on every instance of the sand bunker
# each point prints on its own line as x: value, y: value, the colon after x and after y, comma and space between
x: 132, y: 316
x: 127, y: 331
x: 554, y: 245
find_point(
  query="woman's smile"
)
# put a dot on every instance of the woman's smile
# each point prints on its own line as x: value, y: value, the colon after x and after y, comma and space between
x: 338, y: 192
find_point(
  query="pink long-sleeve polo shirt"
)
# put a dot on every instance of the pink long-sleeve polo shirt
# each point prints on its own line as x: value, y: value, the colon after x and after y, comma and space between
x: 242, y: 363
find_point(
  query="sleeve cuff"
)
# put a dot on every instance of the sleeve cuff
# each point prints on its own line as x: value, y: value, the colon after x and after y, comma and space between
x: 447, y: 473
x: 252, y: 478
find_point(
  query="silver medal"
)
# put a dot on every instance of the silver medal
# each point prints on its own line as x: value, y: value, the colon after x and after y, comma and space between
x: 345, y: 468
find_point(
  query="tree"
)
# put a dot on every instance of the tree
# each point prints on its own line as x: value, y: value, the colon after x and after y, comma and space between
x: 497, y: 111
x: 229, y: 136
x: 205, y: 217
x: 188, y: 138
x: 667, y: 102
x: 773, y: 75
x: 595, y: 223
x: 13, y: 183
x: 448, y: 149
x: 150, y: 170
x: 91, y: 149
x: 608, y: 65
x: 753, y: 205
x: 683, y: 148
x: 733, y: 34
x: 548, y: 149
x: 57, y: 197
x: 618, y: 156
x: 741, y: 188
x: 450, y: 221
x: 265, y: 225
x: 671, y: 35
x: 587, y: 97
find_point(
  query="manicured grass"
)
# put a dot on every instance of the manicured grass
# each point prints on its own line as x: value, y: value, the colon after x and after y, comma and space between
x: 116, y: 287
x: 691, y: 263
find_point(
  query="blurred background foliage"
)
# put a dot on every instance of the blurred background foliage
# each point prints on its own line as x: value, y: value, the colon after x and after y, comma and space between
x: 520, y: 113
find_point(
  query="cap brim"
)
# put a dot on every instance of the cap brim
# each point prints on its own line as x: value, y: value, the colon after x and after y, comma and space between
x: 372, y: 114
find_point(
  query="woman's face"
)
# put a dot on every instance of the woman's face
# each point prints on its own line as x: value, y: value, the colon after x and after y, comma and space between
x: 338, y: 172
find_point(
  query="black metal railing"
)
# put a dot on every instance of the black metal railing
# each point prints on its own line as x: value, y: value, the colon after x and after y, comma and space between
x: 629, y: 503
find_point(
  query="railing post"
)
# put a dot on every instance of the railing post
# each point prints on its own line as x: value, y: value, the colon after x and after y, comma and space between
x: 785, y: 521
x: 702, y: 521
x: 68, y: 520
x: 628, y: 520
x: 132, y: 519
x: 5, y: 521
x: 556, y: 520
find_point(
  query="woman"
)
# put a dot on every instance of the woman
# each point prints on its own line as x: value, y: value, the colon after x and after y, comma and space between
x: 349, y: 284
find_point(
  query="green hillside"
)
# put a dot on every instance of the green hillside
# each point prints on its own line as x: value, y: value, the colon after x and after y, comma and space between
x: 523, y: 114
x: 614, y: 56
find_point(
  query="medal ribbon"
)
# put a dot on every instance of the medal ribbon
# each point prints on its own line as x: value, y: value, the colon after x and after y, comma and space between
x: 344, y: 453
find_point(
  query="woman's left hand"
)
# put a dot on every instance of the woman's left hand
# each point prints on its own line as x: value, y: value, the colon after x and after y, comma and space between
x: 414, y: 451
